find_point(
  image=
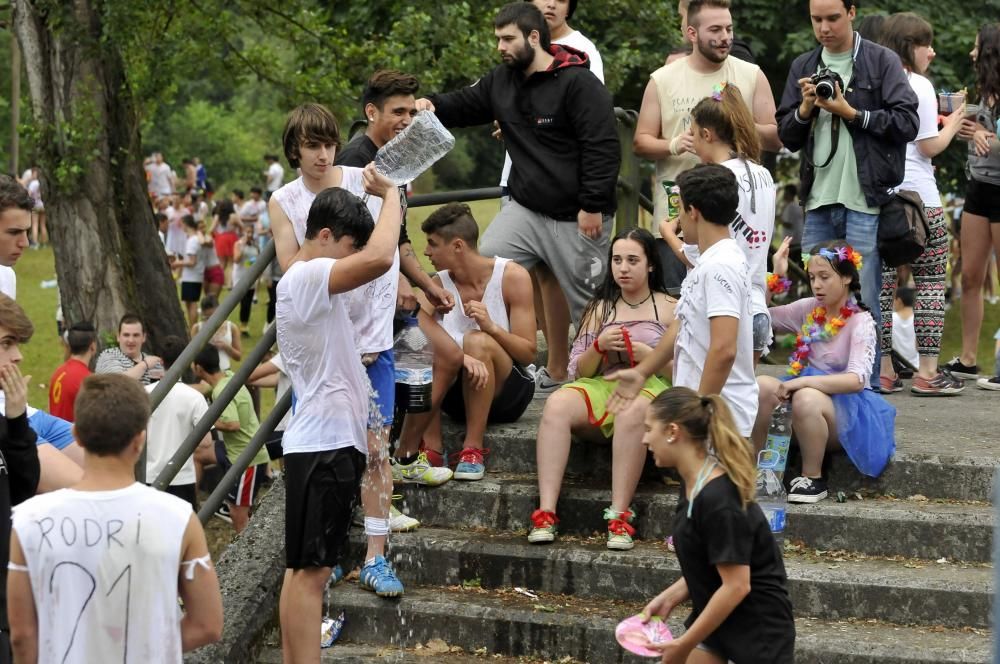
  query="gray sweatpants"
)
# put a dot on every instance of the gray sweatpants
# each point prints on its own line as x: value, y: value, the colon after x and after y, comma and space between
x: 529, y: 238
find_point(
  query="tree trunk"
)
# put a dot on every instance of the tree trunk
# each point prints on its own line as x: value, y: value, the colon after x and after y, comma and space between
x: 109, y: 259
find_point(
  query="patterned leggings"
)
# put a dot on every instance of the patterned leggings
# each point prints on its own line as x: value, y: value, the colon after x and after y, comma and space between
x: 929, y: 276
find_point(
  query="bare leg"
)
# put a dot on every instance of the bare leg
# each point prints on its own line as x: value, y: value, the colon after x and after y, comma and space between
x: 427, y: 426
x: 815, y: 426
x: 43, y: 228
x: 976, y: 248
x: 376, y: 488
x: 767, y: 401
x: 703, y: 657
x: 536, y: 290
x: 565, y: 410
x: 484, y: 348
x: 301, y: 610
x: 240, y: 514
x: 628, y: 454
x: 556, y: 323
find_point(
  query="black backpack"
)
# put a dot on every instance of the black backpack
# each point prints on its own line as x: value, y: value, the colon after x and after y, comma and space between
x: 903, y: 230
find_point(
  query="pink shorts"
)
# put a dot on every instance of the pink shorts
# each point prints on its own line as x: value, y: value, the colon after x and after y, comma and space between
x: 215, y: 275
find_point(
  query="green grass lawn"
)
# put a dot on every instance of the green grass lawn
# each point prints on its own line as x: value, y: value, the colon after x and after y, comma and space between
x: 44, y: 352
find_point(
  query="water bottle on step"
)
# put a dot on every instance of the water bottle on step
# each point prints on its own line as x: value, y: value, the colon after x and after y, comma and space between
x: 414, y: 368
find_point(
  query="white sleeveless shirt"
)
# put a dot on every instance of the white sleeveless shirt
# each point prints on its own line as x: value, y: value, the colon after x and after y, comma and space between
x: 371, y: 306
x: 104, y: 567
x: 456, y: 323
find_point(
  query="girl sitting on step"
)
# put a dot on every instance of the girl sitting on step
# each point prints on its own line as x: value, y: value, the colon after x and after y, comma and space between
x: 620, y: 326
x: 732, y: 568
x: 828, y: 373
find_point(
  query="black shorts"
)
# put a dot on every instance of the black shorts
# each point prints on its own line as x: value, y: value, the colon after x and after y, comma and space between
x: 983, y: 200
x: 244, y: 491
x: 508, y: 404
x: 190, y: 291
x: 321, y: 490
x: 273, y: 445
x: 186, y: 492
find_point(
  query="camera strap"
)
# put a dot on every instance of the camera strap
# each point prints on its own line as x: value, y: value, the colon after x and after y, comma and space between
x: 834, y: 135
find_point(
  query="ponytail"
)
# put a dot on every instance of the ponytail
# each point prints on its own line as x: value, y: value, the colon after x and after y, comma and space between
x: 726, y: 113
x: 709, y: 421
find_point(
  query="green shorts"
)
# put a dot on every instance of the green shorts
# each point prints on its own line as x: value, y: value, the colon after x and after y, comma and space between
x: 597, y: 391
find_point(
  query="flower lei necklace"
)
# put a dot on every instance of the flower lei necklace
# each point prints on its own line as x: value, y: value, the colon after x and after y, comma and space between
x: 816, y: 329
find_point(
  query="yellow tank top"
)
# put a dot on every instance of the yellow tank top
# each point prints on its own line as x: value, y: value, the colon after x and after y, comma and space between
x: 680, y: 88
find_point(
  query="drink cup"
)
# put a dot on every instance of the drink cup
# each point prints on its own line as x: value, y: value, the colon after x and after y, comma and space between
x: 948, y: 102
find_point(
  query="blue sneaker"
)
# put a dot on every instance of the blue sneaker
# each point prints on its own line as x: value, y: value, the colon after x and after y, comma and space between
x: 471, y: 464
x: 336, y: 576
x: 379, y: 577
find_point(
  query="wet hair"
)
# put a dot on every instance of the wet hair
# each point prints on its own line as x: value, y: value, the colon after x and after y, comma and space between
x: 14, y: 320
x: 308, y: 123
x: 130, y: 319
x: 209, y: 302
x: 988, y: 65
x: 79, y: 337
x: 870, y: 27
x: 907, y: 296
x: 602, y: 306
x: 694, y: 8
x: 170, y: 349
x: 111, y: 410
x: 713, y: 190
x: 527, y: 17
x: 844, y: 268
x: 731, y: 121
x: 903, y: 32
x: 342, y: 213
x: 386, y: 83
x: 13, y: 195
x: 453, y: 220
x: 709, y: 422
x: 208, y: 359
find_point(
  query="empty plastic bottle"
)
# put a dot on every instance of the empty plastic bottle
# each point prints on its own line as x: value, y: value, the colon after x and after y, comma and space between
x: 414, y: 368
x: 771, y: 495
x: 779, y: 437
x: 413, y: 150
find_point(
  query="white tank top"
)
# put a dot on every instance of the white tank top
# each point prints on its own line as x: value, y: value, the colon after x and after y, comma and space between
x: 225, y: 335
x: 104, y: 567
x: 456, y: 323
x: 372, y: 306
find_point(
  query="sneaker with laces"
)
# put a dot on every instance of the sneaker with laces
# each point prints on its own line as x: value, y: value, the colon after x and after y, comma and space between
x: 436, y: 458
x: 399, y: 522
x: 942, y: 385
x: 223, y: 513
x: 959, y: 370
x: 807, y: 490
x: 989, y: 383
x: 544, y: 526
x: 620, y: 530
x: 471, y: 464
x: 420, y: 471
x: 545, y: 384
x: 379, y: 577
x: 888, y: 385
x: 336, y: 575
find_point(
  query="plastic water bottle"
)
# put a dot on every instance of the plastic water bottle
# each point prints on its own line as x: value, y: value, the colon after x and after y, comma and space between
x: 779, y: 437
x: 413, y: 150
x: 414, y: 368
x: 771, y: 495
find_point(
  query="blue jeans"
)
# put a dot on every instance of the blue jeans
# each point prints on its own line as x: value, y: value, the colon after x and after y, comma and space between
x: 860, y: 230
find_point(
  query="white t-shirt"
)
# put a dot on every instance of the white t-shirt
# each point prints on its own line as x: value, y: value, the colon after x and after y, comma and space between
x: 275, y: 177
x: 159, y: 179
x: 718, y: 286
x: 104, y: 567
x: 315, y: 336
x: 284, y: 384
x: 169, y: 425
x: 904, y: 339
x: 8, y: 282
x: 253, y: 209
x: 193, y: 273
x: 575, y: 40
x: 919, y: 176
x: 372, y: 306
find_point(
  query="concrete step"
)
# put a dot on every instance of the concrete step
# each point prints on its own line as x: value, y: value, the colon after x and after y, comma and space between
x: 506, y: 623
x: 878, y: 527
x: 834, y: 588
x: 950, y: 474
x: 355, y: 653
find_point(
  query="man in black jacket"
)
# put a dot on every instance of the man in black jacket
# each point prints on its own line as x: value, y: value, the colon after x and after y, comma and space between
x: 19, y: 468
x: 558, y: 124
x: 854, y: 136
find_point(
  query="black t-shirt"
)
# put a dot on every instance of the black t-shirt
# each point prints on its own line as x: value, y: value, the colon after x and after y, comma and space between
x: 359, y: 153
x: 720, y: 531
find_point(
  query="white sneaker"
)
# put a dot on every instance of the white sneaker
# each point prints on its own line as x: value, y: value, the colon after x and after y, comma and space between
x: 401, y: 523
x: 545, y: 384
x: 420, y: 472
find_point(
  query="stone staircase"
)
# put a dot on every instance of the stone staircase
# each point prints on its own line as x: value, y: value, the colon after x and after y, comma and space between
x: 897, y: 574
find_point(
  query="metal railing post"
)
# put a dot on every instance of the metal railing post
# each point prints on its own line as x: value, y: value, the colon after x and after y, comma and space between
x: 627, y: 215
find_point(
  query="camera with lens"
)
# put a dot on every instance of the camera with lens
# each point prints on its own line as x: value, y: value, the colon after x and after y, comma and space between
x: 826, y: 81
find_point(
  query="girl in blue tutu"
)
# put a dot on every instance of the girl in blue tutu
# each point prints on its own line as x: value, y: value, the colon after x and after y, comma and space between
x: 828, y: 372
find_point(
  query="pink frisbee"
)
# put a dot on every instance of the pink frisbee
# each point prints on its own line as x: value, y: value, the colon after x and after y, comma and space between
x: 637, y: 637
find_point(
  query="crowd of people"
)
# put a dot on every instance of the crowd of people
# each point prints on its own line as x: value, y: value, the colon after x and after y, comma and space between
x: 678, y: 377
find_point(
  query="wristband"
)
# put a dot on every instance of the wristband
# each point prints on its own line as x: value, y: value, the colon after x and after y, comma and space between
x: 673, y: 145
x: 597, y: 346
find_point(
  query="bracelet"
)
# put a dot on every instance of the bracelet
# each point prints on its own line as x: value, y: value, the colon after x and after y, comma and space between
x: 673, y: 145
x: 597, y: 347
x: 778, y: 284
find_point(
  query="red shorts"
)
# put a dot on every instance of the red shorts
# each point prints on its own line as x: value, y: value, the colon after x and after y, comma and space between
x: 224, y: 243
x: 215, y: 275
